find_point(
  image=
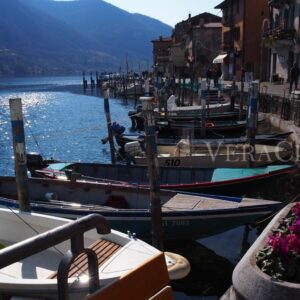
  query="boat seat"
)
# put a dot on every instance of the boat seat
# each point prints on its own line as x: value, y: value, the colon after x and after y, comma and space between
x: 104, y: 250
x: 164, y: 154
x: 135, y: 284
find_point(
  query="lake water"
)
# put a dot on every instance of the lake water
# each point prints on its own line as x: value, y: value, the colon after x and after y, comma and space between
x: 63, y: 123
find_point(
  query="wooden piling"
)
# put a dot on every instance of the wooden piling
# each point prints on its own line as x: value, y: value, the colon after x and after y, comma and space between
x: 153, y: 171
x: 203, y: 107
x: 84, y: 81
x: 109, y: 129
x: 252, y: 118
x: 92, y: 81
x: 241, y: 99
x: 147, y: 87
x: 17, y: 124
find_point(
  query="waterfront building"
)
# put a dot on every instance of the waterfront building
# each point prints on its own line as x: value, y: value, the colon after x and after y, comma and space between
x: 161, y: 55
x: 242, y: 31
x: 196, y: 41
x: 282, y: 38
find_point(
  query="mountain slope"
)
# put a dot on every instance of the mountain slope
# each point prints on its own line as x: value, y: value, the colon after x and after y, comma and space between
x: 43, y: 36
x: 111, y: 28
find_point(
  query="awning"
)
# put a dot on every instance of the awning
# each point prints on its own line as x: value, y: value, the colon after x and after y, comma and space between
x: 219, y: 59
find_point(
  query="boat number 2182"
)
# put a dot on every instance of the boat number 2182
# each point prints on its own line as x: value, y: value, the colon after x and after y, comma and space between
x: 172, y: 162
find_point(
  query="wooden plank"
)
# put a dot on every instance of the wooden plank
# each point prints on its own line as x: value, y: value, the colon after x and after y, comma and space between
x: 143, y: 282
x: 104, y: 250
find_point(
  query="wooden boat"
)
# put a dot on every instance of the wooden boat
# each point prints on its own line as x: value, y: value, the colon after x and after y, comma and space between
x: 177, y: 128
x: 269, y: 139
x: 192, y: 115
x: 224, y: 181
x: 227, y: 115
x: 37, y: 276
x: 127, y: 208
x: 214, y: 105
x: 216, y: 156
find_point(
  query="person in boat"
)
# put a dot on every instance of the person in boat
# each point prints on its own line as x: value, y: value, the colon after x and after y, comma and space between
x: 208, y: 76
x: 217, y: 75
x: 294, y: 76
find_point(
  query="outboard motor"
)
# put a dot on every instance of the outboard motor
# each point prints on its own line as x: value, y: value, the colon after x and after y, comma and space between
x: 117, y: 128
x: 34, y: 161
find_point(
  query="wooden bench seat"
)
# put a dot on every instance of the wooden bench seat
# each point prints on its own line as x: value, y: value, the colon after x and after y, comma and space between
x: 104, y: 250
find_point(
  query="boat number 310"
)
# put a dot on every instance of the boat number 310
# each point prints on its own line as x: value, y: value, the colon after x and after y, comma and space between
x: 172, y: 162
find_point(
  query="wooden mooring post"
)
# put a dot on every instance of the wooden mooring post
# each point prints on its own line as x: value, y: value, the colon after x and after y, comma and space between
x: 252, y: 120
x: 147, y: 87
x: 92, y: 81
x: 203, y: 90
x: 153, y: 171
x: 109, y: 129
x: 17, y: 125
x: 84, y: 81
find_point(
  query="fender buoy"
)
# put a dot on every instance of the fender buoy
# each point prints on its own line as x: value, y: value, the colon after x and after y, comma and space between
x: 178, y: 266
x: 209, y: 124
x: 117, y: 201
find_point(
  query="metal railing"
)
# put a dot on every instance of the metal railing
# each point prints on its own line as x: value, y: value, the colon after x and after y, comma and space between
x: 73, y: 231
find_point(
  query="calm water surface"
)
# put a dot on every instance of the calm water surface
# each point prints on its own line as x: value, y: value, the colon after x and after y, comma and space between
x: 63, y: 123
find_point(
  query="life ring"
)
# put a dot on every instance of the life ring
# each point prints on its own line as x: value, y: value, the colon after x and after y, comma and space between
x: 178, y: 266
x: 117, y: 201
x: 209, y: 124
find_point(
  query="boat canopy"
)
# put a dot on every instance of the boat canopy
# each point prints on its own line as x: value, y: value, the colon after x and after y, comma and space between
x: 219, y: 59
x: 59, y: 166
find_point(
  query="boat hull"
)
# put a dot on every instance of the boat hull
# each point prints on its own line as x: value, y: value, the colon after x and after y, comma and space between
x: 176, y: 225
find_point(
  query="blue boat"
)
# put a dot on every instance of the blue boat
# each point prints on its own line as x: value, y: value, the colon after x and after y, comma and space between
x: 221, y: 181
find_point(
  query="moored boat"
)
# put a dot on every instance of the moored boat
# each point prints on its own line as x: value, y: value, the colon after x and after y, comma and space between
x: 37, y: 275
x: 224, y: 181
x: 184, y: 215
x: 187, y: 154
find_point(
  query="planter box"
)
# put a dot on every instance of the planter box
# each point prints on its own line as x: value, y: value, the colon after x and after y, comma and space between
x: 251, y: 283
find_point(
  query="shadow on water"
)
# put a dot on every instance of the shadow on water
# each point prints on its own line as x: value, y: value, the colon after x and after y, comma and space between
x: 210, y: 273
x: 212, y: 262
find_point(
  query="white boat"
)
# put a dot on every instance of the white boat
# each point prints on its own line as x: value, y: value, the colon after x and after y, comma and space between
x: 36, y: 276
x: 212, y: 106
x: 185, y: 154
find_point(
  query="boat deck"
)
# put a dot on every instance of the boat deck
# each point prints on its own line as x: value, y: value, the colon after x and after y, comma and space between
x: 104, y: 250
x: 44, y: 264
x: 190, y: 202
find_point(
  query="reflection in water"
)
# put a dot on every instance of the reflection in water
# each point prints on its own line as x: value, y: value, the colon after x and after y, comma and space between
x: 213, y: 260
x: 210, y: 273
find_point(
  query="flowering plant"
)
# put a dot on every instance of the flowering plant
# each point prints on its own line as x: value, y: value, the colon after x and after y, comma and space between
x: 280, y: 258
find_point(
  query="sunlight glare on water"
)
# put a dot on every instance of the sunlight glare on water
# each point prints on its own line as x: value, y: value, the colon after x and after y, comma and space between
x: 61, y: 125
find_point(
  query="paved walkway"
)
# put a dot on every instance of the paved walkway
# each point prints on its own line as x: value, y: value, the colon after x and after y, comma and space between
x: 268, y: 87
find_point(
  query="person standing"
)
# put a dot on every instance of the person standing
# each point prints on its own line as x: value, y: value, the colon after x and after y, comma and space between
x: 294, y: 75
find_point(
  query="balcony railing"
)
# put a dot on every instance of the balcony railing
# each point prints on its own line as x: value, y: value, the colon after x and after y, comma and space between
x: 279, y: 3
x: 281, y: 34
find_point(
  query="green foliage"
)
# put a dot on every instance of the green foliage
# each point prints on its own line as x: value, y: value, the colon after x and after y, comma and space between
x: 2, y: 246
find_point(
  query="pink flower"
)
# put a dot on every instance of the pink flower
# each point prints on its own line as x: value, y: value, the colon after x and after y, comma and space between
x: 289, y: 243
x: 275, y: 242
x: 295, y: 228
x: 296, y: 209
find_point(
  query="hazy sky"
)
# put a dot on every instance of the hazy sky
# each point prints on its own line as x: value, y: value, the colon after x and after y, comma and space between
x: 168, y: 11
